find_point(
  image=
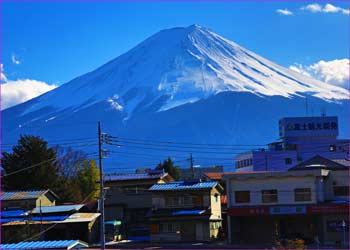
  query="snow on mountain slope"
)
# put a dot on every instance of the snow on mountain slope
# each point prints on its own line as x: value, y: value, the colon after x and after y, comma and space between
x: 178, y: 66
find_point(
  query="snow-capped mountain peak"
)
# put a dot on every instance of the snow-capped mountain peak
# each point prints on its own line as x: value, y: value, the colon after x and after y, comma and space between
x: 177, y: 66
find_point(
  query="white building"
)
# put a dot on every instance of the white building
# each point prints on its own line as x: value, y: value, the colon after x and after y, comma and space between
x: 309, y: 201
x: 301, y: 138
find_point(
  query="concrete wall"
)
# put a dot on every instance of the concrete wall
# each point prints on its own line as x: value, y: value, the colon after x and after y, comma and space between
x: 285, y: 187
x: 215, y: 203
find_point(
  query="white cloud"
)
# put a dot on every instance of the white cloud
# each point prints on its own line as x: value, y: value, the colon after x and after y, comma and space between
x: 335, y: 72
x: 15, y: 60
x: 328, y: 8
x: 284, y: 12
x: 314, y: 7
x: 18, y: 91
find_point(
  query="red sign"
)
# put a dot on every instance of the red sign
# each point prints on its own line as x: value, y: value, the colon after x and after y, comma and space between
x: 248, y: 211
x: 271, y: 210
x: 328, y: 209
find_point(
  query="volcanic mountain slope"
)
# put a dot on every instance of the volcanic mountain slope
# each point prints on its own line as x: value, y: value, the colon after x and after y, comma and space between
x: 165, y: 78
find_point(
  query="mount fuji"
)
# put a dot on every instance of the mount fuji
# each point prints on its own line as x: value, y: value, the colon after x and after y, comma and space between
x: 181, y: 84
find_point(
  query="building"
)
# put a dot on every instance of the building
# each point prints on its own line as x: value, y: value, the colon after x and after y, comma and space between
x: 198, y: 172
x: 311, y: 201
x: 218, y: 177
x: 56, y: 245
x: 185, y: 211
x: 301, y: 138
x: 67, y: 222
x: 27, y: 200
x: 128, y: 199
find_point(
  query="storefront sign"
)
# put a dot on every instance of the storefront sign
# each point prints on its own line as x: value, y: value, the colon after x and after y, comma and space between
x: 328, y: 209
x: 248, y: 211
x: 288, y: 210
x: 284, y: 210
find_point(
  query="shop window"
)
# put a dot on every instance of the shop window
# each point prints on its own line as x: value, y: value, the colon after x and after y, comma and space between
x: 269, y: 196
x: 302, y: 194
x: 242, y: 196
x: 288, y: 161
x: 341, y: 190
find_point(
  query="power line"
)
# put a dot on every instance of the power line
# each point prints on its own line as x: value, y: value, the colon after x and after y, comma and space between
x: 26, y: 168
x: 185, y: 143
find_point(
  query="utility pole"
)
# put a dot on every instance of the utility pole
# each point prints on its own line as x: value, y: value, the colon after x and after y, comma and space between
x: 191, y: 164
x: 41, y: 220
x: 101, y: 188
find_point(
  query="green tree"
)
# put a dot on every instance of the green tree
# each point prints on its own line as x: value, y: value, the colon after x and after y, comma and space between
x: 31, y: 165
x: 168, y: 166
x: 87, y: 179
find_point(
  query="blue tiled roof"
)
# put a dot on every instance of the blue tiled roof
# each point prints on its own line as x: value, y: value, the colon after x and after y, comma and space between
x: 50, y: 218
x: 12, y: 213
x: 22, y: 195
x: 38, y: 218
x: 188, y: 212
x: 57, y: 244
x: 183, y: 185
x: 57, y: 209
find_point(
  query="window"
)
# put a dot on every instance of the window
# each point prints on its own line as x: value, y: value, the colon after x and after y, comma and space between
x: 169, y: 227
x: 269, y: 196
x: 180, y: 201
x: 242, y: 196
x: 341, y: 190
x: 288, y: 161
x: 302, y: 194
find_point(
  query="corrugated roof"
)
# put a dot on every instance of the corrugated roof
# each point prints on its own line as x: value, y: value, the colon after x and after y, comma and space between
x: 57, y: 244
x: 140, y: 176
x: 57, y: 209
x: 183, y: 185
x: 24, y: 195
x: 77, y: 217
x: 32, y: 219
x: 12, y: 213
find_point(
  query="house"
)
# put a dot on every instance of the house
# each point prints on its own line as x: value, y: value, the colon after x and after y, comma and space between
x: 185, y: 211
x: 301, y: 138
x: 311, y: 202
x: 65, y: 222
x: 27, y: 199
x: 128, y: 199
x: 57, y: 245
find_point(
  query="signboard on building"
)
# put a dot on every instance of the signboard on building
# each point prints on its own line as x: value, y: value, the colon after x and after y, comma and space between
x: 288, y: 210
x: 284, y: 210
x: 328, y: 209
x: 248, y: 211
x: 308, y: 126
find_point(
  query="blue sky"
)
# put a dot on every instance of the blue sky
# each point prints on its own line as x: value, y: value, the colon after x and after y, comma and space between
x: 55, y: 42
